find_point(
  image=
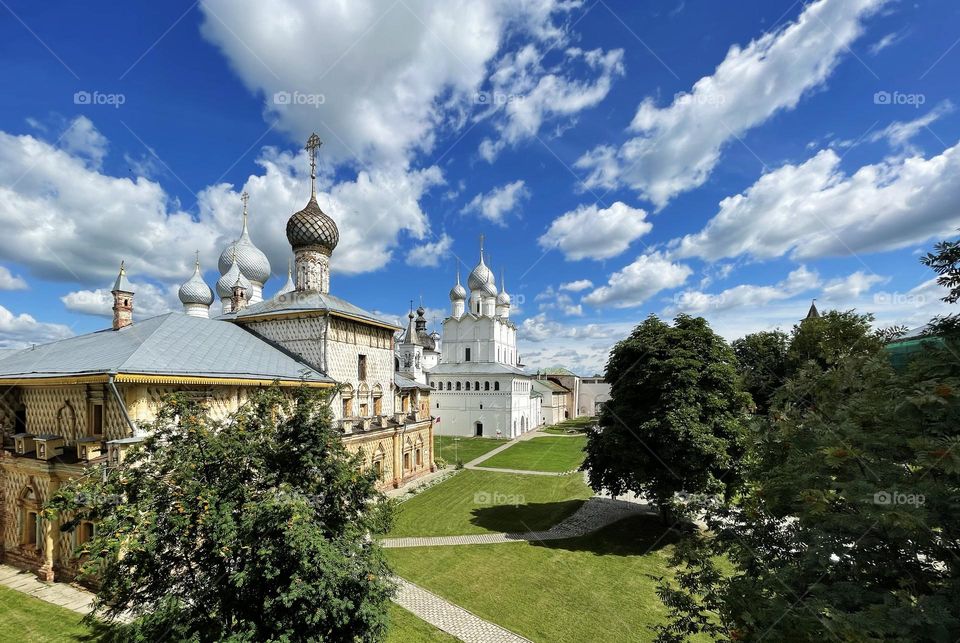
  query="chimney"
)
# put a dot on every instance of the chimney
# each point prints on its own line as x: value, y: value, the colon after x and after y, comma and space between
x: 122, y: 300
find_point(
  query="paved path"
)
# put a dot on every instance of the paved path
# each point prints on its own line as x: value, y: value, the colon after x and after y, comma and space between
x: 595, y: 514
x: 450, y: 618
x: 61, y: 594
x: 521, y: 471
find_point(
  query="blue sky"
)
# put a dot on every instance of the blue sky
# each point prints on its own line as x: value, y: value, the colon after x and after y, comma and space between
x: 732, y: 160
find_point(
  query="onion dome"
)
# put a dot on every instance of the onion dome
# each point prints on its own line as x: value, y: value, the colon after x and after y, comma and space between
x: 488, y: 289
x: 503, y: 299
x: 253, y: 263
x: 481, y: 275
x: 312, y: 227
x: 195, y: 290
x: 458, y: 292
x: 226, y: 283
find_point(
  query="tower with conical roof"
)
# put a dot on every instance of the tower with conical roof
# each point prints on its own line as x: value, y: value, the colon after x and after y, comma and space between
x: 313, y: 235
x: 122, y: 300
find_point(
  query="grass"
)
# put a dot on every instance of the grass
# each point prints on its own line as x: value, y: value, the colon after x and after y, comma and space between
x: 407, y: 628
x: 477, y: 502
x: 576, y: 425
x: 26, y: 619
x: 593, y: 588
x: 541, y: 454
x: 465, y: 450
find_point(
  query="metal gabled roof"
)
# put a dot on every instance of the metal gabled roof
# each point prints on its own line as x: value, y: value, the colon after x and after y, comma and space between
x: 478, y: 368
x: 172, y: 344
x: 307, y: 301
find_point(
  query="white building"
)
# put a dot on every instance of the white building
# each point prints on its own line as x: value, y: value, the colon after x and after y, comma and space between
x: 479, y: 387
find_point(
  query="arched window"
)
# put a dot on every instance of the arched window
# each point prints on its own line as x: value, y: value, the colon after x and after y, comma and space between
x: 448, y: 386
x: 458, y: 386
x: 476, y: 385
x: 486, y: 386
x: 496, y: 386
x: 467, y: 386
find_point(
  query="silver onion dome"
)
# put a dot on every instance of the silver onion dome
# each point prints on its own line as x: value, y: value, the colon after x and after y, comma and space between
x: 229, y: 279
x: 195, y: 290
x: 458, y: 292
x: 480, y: 276
x: 312, y: 227
x: 253, y: 263
x: 503, y: 299
x: 488, y: 289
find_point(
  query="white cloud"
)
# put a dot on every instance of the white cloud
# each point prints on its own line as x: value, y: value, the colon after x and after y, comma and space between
x: 815, y: 210
x: 852, y: 286
x: 635, y: 283
x: 900, y: 133
x: 577, y: 286
x: 590, y: 232
x: 676, y: 147
x: 498, y: 202
x: 149, y: 300
x: 10, y: 281
x: 697, y: 302
x: 887, y: 41
x: 380, y: 78
x: 540, y: 328
x: 523, y: 94
x: 429, y: 254
x: 551, y: 299
x: 83, y: 139
x: 20, y: 331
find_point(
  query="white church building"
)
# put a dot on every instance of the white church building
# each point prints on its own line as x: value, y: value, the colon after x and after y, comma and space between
x: 478, y: 388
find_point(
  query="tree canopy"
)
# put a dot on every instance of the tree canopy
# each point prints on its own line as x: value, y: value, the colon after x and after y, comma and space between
x: 256, y: 528
x: 762, y: 362
x: 830, y: 337
x: 675, y: 420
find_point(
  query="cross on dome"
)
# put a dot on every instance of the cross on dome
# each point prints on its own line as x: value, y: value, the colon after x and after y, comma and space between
x: 312, y: 146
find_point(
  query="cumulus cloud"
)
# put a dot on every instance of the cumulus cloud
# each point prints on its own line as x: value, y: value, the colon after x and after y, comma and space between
x: 523, y: 93
x: 815, y: 210
x: 540, y: 328
x: 149, y: 300
x: 676, y: 147
x: 746, y: 295
x: 429, y: 254
x: 10, y: 281
x: 551, y: 299
x: 20, y: 331
x: 635, y: 283
x: 498, y: 202
x: 900, y: 133
x: 83, y: 139
x: 852, y: 286
x: 590, y: 232
x: 577, y: 286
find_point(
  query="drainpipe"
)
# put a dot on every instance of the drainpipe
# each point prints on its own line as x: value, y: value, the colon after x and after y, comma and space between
x: 123, y: 407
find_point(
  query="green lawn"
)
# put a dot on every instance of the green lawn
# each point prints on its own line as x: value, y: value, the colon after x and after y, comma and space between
x: 407, y: 628
x: 477, y: 502
x: 578, y: 425
x: 541, y: 454
x: 594, y: 588
x: 465, y: 449
x: 27, y: 619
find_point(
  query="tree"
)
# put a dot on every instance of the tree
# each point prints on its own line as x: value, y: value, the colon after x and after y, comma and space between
x: 946, y: 263
x: 675, y: 419
x: 762, y: 362
x: 829, y: 338
x: 847, y: 527
x: 256, y: 528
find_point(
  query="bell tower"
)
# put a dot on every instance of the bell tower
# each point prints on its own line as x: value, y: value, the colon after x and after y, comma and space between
x: 122, y: 300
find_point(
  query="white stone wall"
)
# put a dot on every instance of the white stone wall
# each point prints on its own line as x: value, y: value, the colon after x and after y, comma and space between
x: 346, y: 341
x: 304, y: 336
x: 508, y: 410
x: 592, y: 392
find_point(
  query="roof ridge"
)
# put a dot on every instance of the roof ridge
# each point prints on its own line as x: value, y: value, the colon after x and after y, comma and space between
x: 143, y: 341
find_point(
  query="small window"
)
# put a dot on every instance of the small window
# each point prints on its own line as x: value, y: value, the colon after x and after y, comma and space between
x: 466, y: 354
x: 96, y: 420
x: 496, y: 386
x: 467, y: 386
x: 458, y: 386
x: 481, y: 407
x: 31, y: 528
x: 438, y: 405
x: 348, y: 407
x: 476, y: 385
x: 486, y: 386
x: 448, y: 386
x: 419, y: 457
x: 362, y: 368
x: 85, y: 532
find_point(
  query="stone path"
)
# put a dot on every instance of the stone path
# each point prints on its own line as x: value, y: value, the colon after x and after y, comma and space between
x: 60, y: 594
x: 522, y: 471
x: 595, y: 514
x: 450, y: 618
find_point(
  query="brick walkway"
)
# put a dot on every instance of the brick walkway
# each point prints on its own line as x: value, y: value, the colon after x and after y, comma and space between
x: 60, y: 594
x: 450, y: 618
x: 595, y: 514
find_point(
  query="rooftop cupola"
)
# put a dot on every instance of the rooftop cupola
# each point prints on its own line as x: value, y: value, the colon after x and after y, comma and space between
x: 312, y: 234
x: 195, y: 294
x: 122, y: 300
x: 252, y: 261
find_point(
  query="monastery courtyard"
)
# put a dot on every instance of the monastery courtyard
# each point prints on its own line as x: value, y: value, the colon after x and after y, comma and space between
x: 467, y: 545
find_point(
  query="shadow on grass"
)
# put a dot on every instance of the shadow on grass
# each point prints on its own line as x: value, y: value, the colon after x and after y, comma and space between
x: 105, y: 632
x: 633, y: 536
x: 523, y: 518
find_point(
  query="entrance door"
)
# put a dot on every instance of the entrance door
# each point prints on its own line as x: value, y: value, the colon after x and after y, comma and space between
x: 479, y: 427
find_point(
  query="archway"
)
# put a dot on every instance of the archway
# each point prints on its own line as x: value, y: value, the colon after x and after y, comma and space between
x: 478, y: 429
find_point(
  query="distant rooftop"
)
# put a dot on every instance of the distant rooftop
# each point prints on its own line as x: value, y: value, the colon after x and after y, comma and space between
x: 305, y: 301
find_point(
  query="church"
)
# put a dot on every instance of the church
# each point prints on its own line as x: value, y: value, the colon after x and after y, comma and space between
x: 82, y: 402
x: 477, y: 383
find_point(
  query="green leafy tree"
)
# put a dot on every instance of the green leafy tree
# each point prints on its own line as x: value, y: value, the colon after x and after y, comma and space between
x: 675, y: 419
x: 257, y: 528
x: 946, y: 263
x: 762, y: 362
x: 847, y: 526
x: 831, y: 337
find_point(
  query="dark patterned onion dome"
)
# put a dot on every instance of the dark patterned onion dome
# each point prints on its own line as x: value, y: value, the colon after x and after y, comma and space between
x: 312, y: 227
